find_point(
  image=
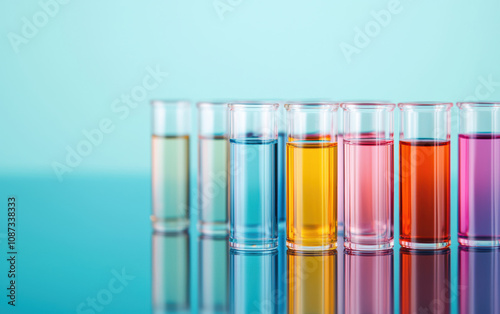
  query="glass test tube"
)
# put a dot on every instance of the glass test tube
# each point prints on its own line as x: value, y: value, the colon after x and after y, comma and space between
x: 170, y: 165
x: 425, y: 285
x: 312, y: 176
x: 340, y: 176
x: 213, y: 295
x: 479, y: 174
x: 479, y: 280
x: 253, y: 141
x: 368, y: 176
x: 312, y: 286
x: 281, y: 120
x: 170, y: 272
x: 369, y: 282
x: 212, y: 167
x: 254, y: 281
x: 424, y: 175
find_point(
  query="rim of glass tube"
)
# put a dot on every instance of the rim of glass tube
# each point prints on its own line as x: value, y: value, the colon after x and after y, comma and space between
x: 474, y: 104
x: 426, y: 104
x: 253, y: 105
x: 205, y: 104
x: 170, y: 102
x: 289, y: 105
x: 368, y: 105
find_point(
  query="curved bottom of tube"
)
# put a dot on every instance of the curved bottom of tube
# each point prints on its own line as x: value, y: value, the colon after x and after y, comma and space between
x: 298, y: 247
x: 369, y: 247
x: 170, y: 224
x: 479, y: 243
x: 253, y: 245
x: 425, y: 246
x: 213, y: 229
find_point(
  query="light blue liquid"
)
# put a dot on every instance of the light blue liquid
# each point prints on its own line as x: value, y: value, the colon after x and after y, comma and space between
x: 281, y: 179
x: 253, y: 194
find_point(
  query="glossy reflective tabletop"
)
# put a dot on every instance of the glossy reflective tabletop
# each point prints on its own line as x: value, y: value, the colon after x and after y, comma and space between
x: 222, y: 280
x: 86, y: 246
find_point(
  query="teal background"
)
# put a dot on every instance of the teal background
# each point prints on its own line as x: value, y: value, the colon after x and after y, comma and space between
x: 64, y: 80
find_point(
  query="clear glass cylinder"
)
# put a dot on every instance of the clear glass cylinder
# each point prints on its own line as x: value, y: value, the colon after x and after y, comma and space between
x: 281, y: 120
x: 479, y: 279
x: 368, y: 176
x: 253, y: 137
x: 212, y: 168
x: 170, y: 165
x: 311, y: 176
x: 479, y: 174
x: 213, y: 265
x: 340, y: 176
x: 424, y: 175
x: 312, y: 286
x: 170, y: 276
x: 425, y: 281
x: 369, y: 281
x: 254, y: 281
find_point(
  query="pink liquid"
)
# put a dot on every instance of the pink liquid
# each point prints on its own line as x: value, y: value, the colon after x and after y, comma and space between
x: 369, y: 194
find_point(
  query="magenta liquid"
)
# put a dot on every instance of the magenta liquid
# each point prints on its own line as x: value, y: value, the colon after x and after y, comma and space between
x: 479, y: 190
x: 369, y: 194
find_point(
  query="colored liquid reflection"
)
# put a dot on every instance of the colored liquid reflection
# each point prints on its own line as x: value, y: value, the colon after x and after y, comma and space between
x: 312, y: 282
x: 425, y: 281
x: 479, y: 280
x: 254, y: 282
x: 213, y: 275
x: 369, y: 282
x: 170, y: 273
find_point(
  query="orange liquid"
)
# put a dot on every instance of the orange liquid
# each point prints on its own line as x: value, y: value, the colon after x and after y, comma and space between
x: 424, y: 192
x: 312, y: 195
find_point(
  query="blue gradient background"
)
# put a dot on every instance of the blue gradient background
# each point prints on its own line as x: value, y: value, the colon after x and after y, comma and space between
x: 73, y: 233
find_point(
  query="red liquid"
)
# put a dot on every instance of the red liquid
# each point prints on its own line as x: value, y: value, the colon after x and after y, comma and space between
x: 424, y: 194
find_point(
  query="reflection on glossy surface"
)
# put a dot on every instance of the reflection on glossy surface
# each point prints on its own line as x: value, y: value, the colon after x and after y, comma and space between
x: 281, y: 295
x: 170, y: 277
x: 425, y: 281
x: 254, y: 281
x: 213, y: 267
x: 312, y: 282
x: 479, y: 280
x: 369, y: 284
